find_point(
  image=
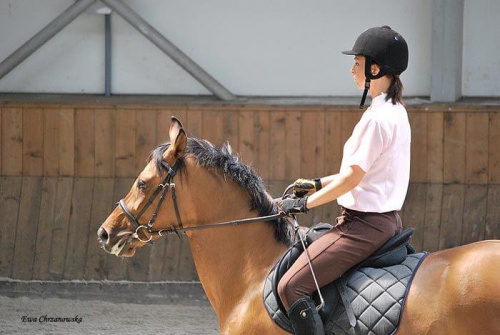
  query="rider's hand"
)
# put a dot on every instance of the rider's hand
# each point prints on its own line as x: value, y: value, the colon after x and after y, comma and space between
x: 303, y: 187
x: 291, y: 205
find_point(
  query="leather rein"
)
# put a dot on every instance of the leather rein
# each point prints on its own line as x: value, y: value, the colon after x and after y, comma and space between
x: 163, y: 189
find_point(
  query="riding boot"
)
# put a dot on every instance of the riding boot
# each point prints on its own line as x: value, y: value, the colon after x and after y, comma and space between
x: 305, y: 318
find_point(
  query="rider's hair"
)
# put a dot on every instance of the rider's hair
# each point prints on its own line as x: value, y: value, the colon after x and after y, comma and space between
x: 395, y: 91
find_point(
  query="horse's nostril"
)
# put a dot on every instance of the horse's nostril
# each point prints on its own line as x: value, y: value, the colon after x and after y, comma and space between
x: 102, y: 235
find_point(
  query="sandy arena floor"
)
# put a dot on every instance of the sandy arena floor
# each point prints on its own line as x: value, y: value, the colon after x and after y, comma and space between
x: 33, y: 316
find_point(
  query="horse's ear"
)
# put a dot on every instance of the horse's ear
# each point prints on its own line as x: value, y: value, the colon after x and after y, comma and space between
x: 178, y: 140
x: 174, y: 128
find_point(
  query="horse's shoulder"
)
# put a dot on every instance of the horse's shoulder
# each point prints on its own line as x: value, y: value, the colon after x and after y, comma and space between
x: 248, y: 317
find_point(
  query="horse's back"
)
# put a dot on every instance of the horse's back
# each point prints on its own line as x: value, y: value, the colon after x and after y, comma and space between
x: 456, y: 291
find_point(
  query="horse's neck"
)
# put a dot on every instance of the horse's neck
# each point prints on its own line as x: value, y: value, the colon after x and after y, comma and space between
x: 232, y: 262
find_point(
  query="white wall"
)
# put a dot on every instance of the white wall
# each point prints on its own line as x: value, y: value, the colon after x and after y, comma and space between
x: 70, y: 62
x: 481, y: 55
x: 259, y: 47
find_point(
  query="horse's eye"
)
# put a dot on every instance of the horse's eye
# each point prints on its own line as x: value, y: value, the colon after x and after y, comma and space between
x: 141, y: 184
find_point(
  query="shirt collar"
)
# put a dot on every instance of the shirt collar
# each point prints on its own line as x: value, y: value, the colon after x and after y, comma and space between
x: 378, y: 100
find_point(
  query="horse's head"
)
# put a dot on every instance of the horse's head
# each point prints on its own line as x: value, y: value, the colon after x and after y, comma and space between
x: 186, y: 184
x: 127, y: 227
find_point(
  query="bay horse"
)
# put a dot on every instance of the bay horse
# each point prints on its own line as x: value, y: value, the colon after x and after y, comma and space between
x: 455, y: 291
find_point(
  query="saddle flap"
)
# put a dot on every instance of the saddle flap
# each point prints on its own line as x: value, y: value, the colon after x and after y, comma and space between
x: 317, y: 231
x: 293, y: 253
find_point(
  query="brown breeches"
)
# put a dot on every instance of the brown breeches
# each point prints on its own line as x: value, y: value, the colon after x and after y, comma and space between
x: 355, y: 237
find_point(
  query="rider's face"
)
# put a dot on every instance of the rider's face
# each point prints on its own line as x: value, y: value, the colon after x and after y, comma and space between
x: 358, y: 71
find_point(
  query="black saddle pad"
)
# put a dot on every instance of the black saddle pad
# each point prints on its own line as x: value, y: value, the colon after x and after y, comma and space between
x: 392, y: 252
x: 376, y: 295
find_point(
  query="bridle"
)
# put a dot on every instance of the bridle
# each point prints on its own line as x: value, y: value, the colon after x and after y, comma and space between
x: 163, y: 189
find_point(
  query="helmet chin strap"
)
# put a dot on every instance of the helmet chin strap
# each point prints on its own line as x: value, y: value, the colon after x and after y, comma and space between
x: 369, y: 77
x: 365, y: 92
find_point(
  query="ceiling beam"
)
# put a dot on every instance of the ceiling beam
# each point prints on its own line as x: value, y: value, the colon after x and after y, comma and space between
x: 169, y: 49
x: 49, y: 31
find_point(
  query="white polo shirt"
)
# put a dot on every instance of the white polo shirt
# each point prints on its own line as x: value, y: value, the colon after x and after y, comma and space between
x: 380, y: 145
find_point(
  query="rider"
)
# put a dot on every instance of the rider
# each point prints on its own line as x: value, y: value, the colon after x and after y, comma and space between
x: 370, y: 187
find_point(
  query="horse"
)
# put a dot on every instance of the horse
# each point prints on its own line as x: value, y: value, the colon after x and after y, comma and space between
x: 189, y: 185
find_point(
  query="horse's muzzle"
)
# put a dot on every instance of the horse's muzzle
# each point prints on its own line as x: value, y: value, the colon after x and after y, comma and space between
x: 102, y: 236
x: 115, y: 243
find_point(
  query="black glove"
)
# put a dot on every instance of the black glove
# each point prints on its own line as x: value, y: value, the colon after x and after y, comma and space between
x: 289, y: 206
x: 303, y: 187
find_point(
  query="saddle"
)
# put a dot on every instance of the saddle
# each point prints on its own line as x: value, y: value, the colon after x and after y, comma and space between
x: 351, y: 306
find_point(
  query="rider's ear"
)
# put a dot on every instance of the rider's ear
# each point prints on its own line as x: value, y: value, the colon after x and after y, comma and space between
x: 375, y: 69
x: 178, y: 140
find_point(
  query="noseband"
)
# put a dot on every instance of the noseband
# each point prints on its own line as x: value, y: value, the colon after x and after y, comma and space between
x: 163, y: 188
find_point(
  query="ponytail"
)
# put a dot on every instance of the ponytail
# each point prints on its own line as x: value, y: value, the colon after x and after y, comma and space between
x: 395, y: 91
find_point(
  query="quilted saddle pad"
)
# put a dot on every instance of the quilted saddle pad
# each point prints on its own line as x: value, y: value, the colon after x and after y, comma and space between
x: 376, y: 295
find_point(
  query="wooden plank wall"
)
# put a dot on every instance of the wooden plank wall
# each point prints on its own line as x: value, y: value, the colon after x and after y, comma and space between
x: 62, y: 169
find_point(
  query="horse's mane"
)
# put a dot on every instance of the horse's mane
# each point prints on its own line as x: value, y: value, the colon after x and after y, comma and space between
x: 227, y: 163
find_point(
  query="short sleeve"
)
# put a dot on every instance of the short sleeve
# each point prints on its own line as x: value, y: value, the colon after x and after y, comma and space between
x: 370, y: 143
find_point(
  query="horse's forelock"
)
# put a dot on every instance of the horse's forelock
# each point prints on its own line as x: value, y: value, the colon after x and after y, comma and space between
x: 157, y: 157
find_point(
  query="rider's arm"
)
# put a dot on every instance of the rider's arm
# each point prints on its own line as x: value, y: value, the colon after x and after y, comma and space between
x: 328, y: 179
x: 336, y: 185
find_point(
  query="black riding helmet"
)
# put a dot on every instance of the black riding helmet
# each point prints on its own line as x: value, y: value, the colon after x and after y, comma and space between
x: 384, y: 46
